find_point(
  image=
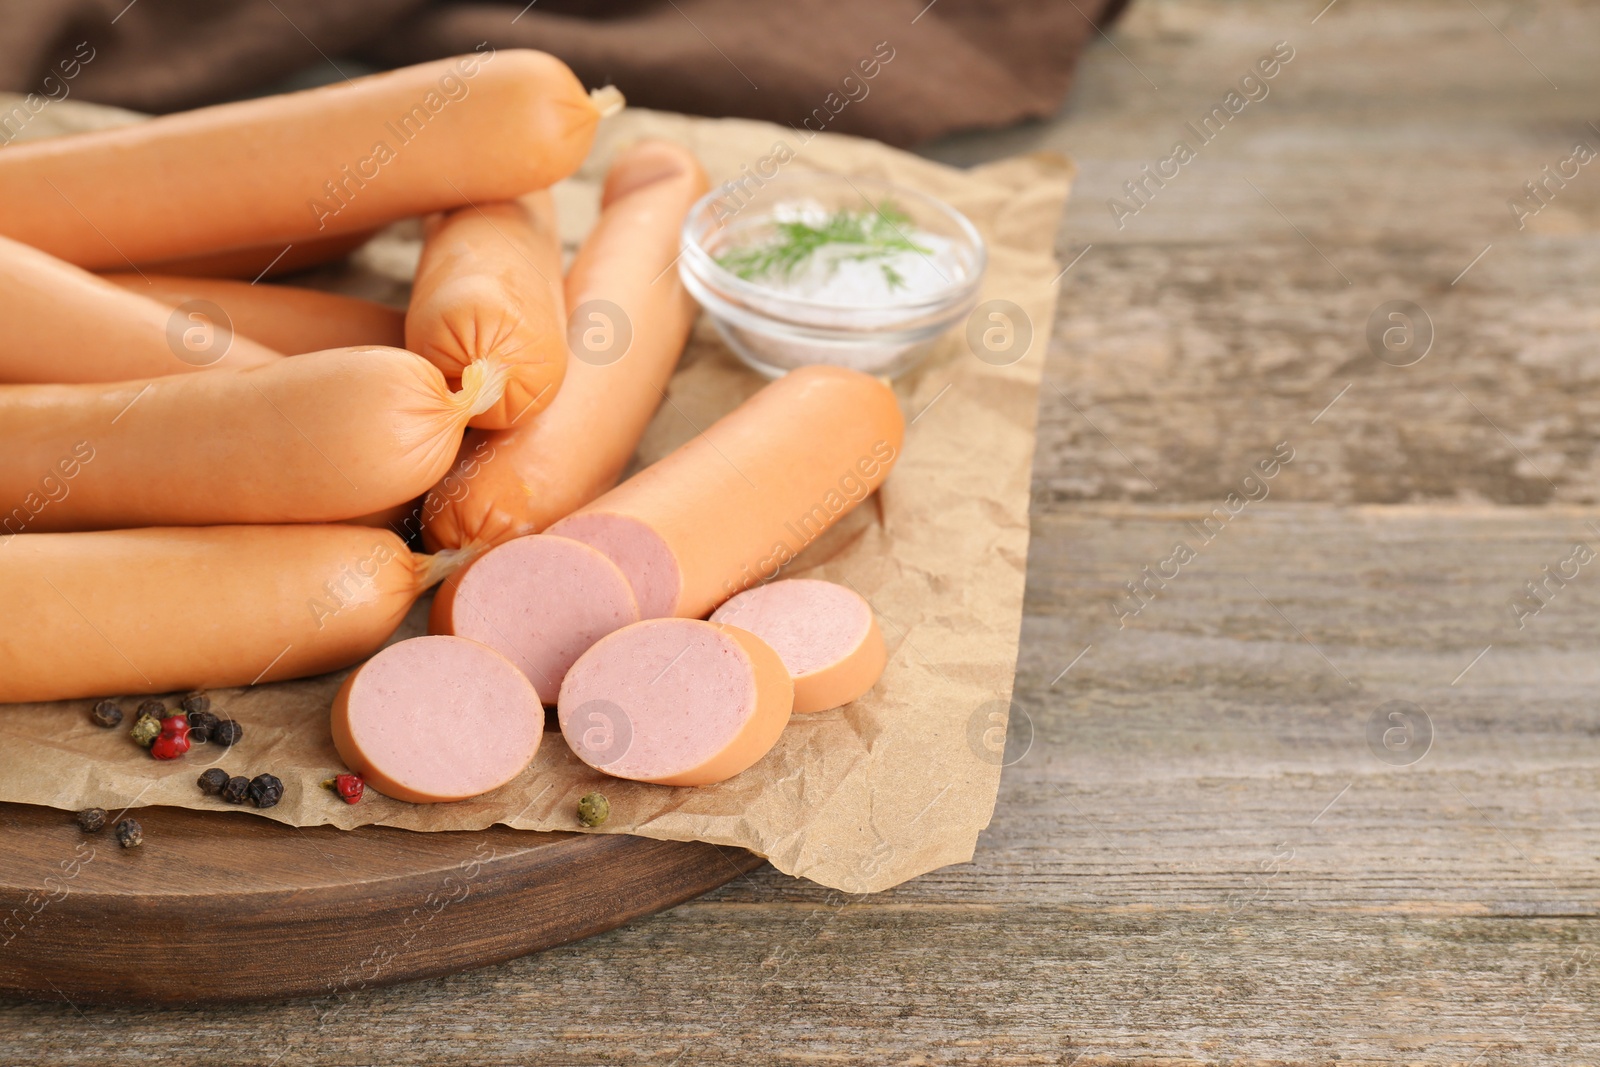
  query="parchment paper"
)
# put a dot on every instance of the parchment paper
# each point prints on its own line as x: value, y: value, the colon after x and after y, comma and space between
x: 860, y: 798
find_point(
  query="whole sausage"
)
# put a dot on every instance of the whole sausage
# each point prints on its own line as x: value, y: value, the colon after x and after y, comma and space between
x: 318, y: 163
x: 317, y: 438
x: 731, y: 507
x: 259, y: 262
x: 63, y: 324
x: 285, y: 318
x: 158, y: 610
x: 579, y: 446
x: 488, y: 292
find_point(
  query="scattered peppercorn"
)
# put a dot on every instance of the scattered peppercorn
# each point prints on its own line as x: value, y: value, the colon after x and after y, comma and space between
x: 350, y: 788
x: 145, y: 730
x: 129, y: 833
x: 226, y: 733
x: 213, y: 781
x: 237, y: 791
x: 266, y: 790
x: 196, y: 702
x: 92, y: 820
x: 174, y: 739
x: 201, y: 724
x: 593, y: 809
x: 107, y: 714
x: 158, y: 708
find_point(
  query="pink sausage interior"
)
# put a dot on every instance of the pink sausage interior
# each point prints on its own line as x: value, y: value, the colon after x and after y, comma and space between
x: 541, y: 601
x: 810, y: 624
x: 638, y: 550
x: 444, y: 717
x: 657, y: 699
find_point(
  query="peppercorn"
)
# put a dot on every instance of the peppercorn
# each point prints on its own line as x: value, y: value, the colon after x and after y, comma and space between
x: 174, y: 739
x: 237, y: 791
x: 194, y: 702
x: 266, y: 790
x: 226, y: 733
x: 129, y: 833
x: 350, y: 788
x: 593, y: 809
x: 213, y: 781
x: 92, y: 820
x: 107, y: 714
x: 145, y: 730
x: 201, y: 723
x: 154, y: 707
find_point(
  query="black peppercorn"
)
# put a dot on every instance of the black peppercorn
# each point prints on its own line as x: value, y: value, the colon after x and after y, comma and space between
x: 158, y: 708
x: 213, y: 781
x: 196, y: 702
x: 226, y: 733
x: 201, y: 726
x: 266, y: 790
x: 129, y: 833
x: 107, y: 714
x: 92, y: 820
x: 237, y: 791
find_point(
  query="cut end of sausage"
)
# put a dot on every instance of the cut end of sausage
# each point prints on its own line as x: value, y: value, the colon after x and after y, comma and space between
x: 540, y: 601
x: 824, y: 633
x: 437, y: 719
x: 675, y: 702
x: 641, y: 553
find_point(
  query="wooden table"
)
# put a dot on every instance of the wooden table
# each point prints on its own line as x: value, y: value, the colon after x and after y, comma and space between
x: 1205, y: 850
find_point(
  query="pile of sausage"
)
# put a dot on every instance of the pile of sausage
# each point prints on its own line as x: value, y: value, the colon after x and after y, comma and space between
x: 203, y: 475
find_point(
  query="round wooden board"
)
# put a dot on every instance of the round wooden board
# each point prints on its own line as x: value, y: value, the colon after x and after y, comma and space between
x: 218, y: 906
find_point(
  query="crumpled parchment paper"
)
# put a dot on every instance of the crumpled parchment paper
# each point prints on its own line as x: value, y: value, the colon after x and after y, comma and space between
x: 860, y: 798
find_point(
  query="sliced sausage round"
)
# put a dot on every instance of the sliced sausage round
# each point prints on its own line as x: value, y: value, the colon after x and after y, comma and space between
x: 540, y: 601
x: 675, y: 702
x: 437, y: 718
x: 824, y: 633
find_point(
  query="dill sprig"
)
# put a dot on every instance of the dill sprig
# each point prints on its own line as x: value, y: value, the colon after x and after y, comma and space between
x: 877, y: 234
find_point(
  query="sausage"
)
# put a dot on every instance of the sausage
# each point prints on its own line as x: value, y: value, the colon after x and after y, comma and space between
x: 319, y: 163
x: 737, y: 502
x: 260, y: 262
x: 488, y: 292
x: 282, y: 317
x: 675, y: 702
x: 579, y: 446
x: 824, y: 633
x: 437, y: 719
x: 63, y: 324
x: 160, y: 610
x: 317, y: 438
x: 539, y: 601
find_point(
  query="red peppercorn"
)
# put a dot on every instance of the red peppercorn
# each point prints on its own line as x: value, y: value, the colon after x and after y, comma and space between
x: 349, y: 787
x: 174, y: 739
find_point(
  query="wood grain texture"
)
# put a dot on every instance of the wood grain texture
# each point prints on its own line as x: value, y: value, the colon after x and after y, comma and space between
x: 1176, y: 872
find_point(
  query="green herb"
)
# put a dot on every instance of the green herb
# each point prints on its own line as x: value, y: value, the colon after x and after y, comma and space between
x: 877, y: 233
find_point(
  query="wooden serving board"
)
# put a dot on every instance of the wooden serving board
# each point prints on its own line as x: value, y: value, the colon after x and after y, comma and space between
x: 219, y: 906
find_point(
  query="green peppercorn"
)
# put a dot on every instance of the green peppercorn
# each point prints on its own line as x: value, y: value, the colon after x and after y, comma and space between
x: 237, y: 791
x: 266, y: 790
x: 201, y: 725
x: 107, y: 714
x: 226, y: 733
x: 196, y: 702
x: 92, y: 820
x: 145, y: 729
x: 593, y: 809
x: 213, y: 780
x: 129, y: 833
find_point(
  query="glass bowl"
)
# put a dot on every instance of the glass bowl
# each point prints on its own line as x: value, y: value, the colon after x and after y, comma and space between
x: 848, y: 305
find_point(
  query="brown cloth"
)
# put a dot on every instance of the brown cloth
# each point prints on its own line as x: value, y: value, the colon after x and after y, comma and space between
x: 901, y: 71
